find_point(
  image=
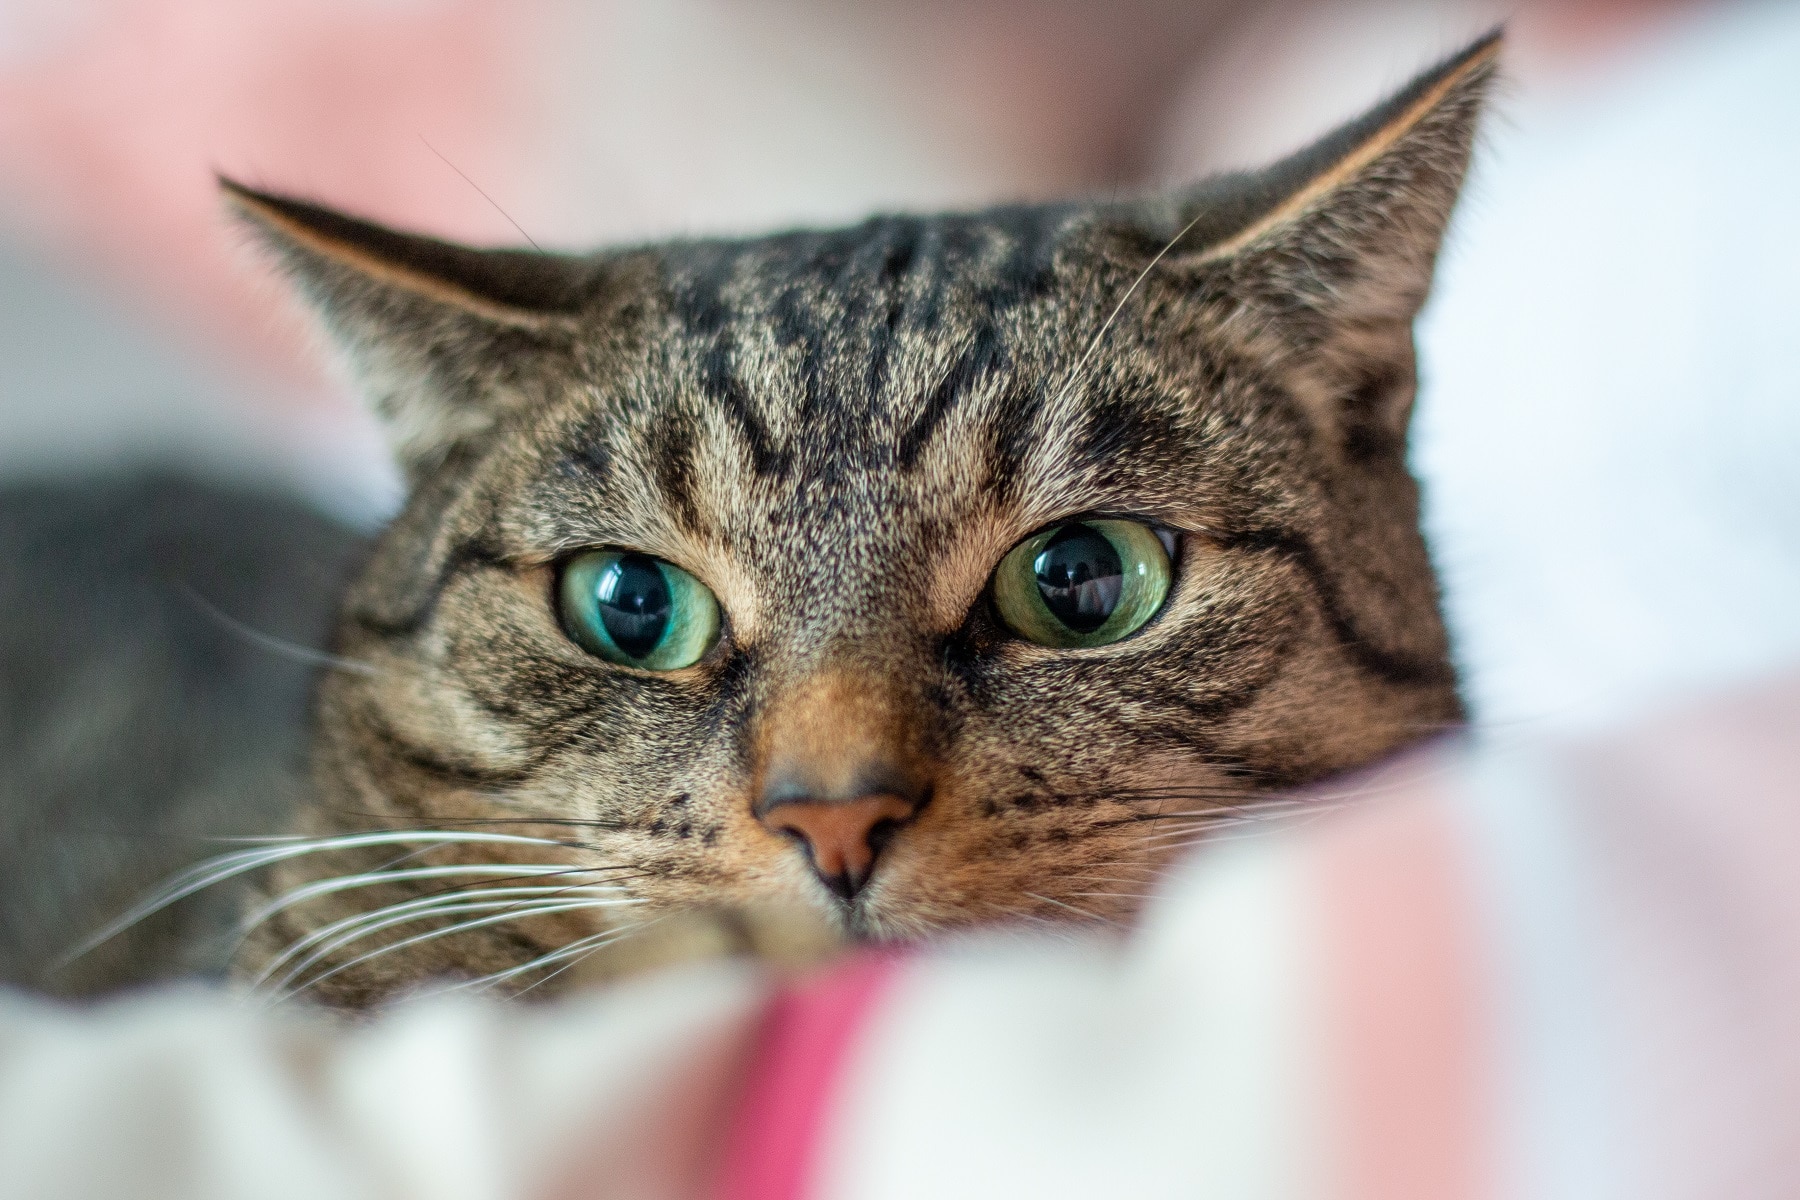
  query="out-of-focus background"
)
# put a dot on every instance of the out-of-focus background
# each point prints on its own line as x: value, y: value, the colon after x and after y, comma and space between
x: 1608, y: 430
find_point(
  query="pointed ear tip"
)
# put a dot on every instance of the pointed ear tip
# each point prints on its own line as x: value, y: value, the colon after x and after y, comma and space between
x: 1470, y: 72
x: 1482, y: 53
x: 244, y: 201
x: 233, y: 191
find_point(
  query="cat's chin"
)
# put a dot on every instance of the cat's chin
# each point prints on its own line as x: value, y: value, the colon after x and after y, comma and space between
x: 784, y: 937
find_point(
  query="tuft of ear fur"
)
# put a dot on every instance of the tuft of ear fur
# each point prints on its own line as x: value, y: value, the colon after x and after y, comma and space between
x: 442, y: 339
x: 1325, y: 258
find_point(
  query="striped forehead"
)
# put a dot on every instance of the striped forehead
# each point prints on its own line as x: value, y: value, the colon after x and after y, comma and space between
x: 834, y: 360
x: 846, y: 327
x: 878, y: 383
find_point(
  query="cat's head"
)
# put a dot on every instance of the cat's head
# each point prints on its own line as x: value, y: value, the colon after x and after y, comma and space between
x: 931, y: 571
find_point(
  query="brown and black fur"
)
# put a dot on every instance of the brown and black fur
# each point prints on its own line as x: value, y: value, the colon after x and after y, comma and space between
x: 841, y: 433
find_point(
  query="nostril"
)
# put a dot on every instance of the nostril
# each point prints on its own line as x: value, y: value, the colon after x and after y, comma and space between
x: 844, y: 885
x: 881, y: 833
x: 846, y: 881
x: 842, y: 839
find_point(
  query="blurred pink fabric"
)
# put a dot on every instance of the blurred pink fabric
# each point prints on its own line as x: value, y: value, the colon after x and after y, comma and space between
x: 114, y: 118
x: 448, y: 115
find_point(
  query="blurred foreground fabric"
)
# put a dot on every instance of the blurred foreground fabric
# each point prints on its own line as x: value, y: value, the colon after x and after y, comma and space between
x: 1559, y: 970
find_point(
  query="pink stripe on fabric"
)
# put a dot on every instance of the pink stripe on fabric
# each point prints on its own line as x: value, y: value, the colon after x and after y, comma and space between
x: 776, y: 1132
x: 1408, y: 1033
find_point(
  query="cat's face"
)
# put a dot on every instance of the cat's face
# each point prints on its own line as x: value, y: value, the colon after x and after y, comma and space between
x: 704, y: 556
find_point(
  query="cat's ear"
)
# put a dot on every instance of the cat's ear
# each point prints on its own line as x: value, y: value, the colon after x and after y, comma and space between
x: 441, y: 338
x: 1326, y: 257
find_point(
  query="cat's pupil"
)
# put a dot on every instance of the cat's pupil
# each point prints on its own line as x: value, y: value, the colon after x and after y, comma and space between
x: 634, y: 604
x: 1080, y: 577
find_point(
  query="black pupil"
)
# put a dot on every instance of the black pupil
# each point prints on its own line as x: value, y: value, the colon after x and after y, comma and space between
x: 634, y: 604
x: 1080, y: 577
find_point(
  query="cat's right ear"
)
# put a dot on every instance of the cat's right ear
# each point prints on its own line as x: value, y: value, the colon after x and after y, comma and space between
x: 1319, y: 264
x: 442, y: 339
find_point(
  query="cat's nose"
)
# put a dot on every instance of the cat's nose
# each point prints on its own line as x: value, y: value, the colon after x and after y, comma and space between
x: 840, y: 770
x: 842, y: 838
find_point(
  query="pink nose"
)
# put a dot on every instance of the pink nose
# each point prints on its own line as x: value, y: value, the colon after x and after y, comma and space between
x: 842, y: 837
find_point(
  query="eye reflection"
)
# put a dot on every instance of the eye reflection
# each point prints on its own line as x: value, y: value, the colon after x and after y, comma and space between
x: 637, y: 611
x: 634, y: 604
x: 1083, y: 583
x: 1080, y: 577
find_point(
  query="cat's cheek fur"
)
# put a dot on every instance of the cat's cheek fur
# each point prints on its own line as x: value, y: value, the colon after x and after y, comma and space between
x: 1014, y: 845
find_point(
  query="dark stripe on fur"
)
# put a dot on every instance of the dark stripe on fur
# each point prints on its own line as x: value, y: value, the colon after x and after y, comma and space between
x: 984, y: 357
x: 460, y: 774
x: 1386, y: 665
x: 733, y: 399
x: 474, y: 554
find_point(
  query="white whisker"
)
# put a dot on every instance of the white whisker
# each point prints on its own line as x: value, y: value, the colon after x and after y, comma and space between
x: 1238, y: 834
x: 1080, y: 912
x: 1252, y: 808
x: 267, y: 851
x: 281, y: 646
x: 1082, y: 362
x: 575, y: 951
x: 516, y: 912
x: 333, y: 937
x: 341, y: 883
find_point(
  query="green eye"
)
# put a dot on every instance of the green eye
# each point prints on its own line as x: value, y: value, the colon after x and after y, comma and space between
x: 636, y: 610
x: 1085, y: 583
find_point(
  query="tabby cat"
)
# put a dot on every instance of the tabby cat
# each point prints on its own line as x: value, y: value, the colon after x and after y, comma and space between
x: 926, y: 573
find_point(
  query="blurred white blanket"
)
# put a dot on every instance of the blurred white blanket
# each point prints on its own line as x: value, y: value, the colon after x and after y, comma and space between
x: 1609, y: 422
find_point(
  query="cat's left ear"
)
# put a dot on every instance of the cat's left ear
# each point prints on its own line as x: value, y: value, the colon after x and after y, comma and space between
x: 442, y: 339
x: 1320, y: 263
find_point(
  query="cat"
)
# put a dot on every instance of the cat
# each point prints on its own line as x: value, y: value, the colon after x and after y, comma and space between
x: 933, y: 572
